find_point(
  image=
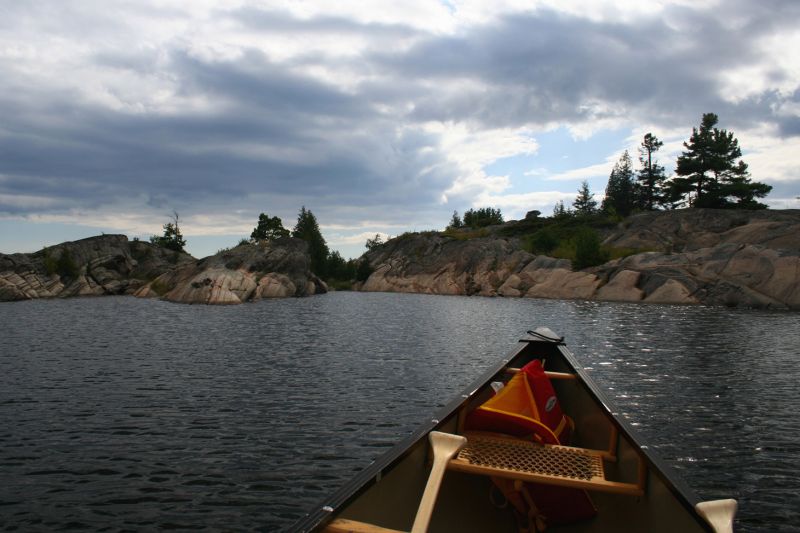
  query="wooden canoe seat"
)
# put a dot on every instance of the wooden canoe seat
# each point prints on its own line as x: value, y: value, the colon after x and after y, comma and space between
x: 496, y: 455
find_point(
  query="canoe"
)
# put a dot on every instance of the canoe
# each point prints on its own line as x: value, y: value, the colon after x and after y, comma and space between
x: 448, y: 476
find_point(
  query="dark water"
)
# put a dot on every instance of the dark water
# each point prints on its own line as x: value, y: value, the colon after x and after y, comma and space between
x: 120, y: 413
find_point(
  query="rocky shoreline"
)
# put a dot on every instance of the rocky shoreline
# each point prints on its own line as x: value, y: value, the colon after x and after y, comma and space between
x: 113, y: 265
x: 692, y: 256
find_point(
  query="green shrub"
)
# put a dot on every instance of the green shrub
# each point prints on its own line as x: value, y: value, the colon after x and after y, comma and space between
x: 65, y: 266
x: 462, y: 235
x: 50, y: 263
x: 588, y: 252
x: 564, y: 250
x: 543, y: 241
x: 618, y: 253
x: 340, y: 285
x: 485, y: 216
x: 364, y: 270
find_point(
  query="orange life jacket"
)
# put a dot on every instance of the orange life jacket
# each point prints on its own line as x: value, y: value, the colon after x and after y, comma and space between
x: 525, y: 407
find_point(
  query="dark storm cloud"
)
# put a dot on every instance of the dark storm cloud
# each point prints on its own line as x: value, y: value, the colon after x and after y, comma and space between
x: 270, y: 127
x: 544, y: 67
x: 342, y: 147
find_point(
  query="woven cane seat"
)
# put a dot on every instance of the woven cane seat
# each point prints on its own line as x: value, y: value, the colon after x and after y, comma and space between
x: 527, y: 461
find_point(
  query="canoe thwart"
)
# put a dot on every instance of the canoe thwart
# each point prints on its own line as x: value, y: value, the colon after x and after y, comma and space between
x: 549, y: 374
x: 343, y: 525
x: 522, y: 460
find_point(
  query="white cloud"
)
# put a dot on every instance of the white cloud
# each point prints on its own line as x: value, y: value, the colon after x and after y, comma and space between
x: 471, y: 151
x: 515, y: 206
x: 384, y: 115
x: 584, y: 173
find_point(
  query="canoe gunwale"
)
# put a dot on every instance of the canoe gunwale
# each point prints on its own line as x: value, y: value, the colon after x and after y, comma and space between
x: 656, y: 464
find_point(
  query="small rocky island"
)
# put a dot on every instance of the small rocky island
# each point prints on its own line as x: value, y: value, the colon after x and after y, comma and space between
x: 113, y: 265
x: 691, y: 256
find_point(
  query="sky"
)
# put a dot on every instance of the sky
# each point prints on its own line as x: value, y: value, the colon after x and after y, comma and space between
x: 379, y: 117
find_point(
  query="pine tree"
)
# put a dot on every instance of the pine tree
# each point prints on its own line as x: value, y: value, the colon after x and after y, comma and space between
x: 559, y: 211
x: 480, y: 218
x: 374, y: 242
x: 308, y: 230
x: 268, y: 229
x: 620, y: 198
x: 710, y: 175
x: 651, y: 178
x: 455, y: 221
x: 584, y: 203
x: 172, y: 238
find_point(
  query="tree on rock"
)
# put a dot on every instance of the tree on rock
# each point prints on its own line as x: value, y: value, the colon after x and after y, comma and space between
x: 480, y: 218
x: 559, y: 211
x: 308, y: 230
x: 584, y: 203
x: 172, y: 238
x: 455, y: 221
x: 374, y: 243
x: 268, y: 229
x: 711, y: 173
x: 650, y: 191
x: 620, y: 197
x: 588, y: 252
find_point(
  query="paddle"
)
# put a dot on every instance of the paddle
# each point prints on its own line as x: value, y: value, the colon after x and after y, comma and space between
x: 718, y: 513
x: 445, y: 446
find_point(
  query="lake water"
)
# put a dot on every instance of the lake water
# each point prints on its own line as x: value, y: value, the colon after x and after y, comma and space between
x: 122, y: 413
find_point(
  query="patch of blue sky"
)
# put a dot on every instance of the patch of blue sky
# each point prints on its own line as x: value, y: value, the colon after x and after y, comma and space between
x: 558, y: 152
x: 26, y: 236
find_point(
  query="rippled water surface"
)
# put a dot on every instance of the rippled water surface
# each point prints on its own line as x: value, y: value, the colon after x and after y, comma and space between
x: 120, y: 413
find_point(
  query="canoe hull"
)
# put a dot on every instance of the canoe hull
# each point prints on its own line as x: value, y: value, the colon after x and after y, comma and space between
x: 387, y: 493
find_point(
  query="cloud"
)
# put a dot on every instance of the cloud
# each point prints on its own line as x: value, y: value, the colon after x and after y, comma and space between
x: 363, y: 112
x: 515, y: 206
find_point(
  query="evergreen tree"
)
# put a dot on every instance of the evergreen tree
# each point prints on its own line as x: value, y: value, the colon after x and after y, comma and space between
x: 559, y: 211
x: 584, y: 203
x: 374, y: 242
x: 338, y: 268
x: 620, y: 198
x: 485, y: 216
x: 308, y: 230
x: 588, y: 251
x: 268, y: 229
x: 709, y: 173
x: 455, y: 221
x: 651, y: 178
x: 172, y: 238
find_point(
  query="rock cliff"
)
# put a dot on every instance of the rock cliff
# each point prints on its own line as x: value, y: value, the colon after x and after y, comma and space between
x: 248, y: 272
x: 108, y: 264
x: 715, y: 257
x: 112, y: 265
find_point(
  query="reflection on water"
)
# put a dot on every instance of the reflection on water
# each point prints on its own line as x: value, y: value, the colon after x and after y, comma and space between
x: 127, y: 413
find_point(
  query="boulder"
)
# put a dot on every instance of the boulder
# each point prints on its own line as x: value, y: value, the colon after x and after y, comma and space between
x: 621, y: 288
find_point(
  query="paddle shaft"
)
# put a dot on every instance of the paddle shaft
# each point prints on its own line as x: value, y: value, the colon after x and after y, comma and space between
x: 445, y: 446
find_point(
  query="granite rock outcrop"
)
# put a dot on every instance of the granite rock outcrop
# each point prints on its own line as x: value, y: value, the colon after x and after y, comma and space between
x: 113, y: 265
x: 693, y: 256
x: 249, y: 272
x: 97, y: 266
